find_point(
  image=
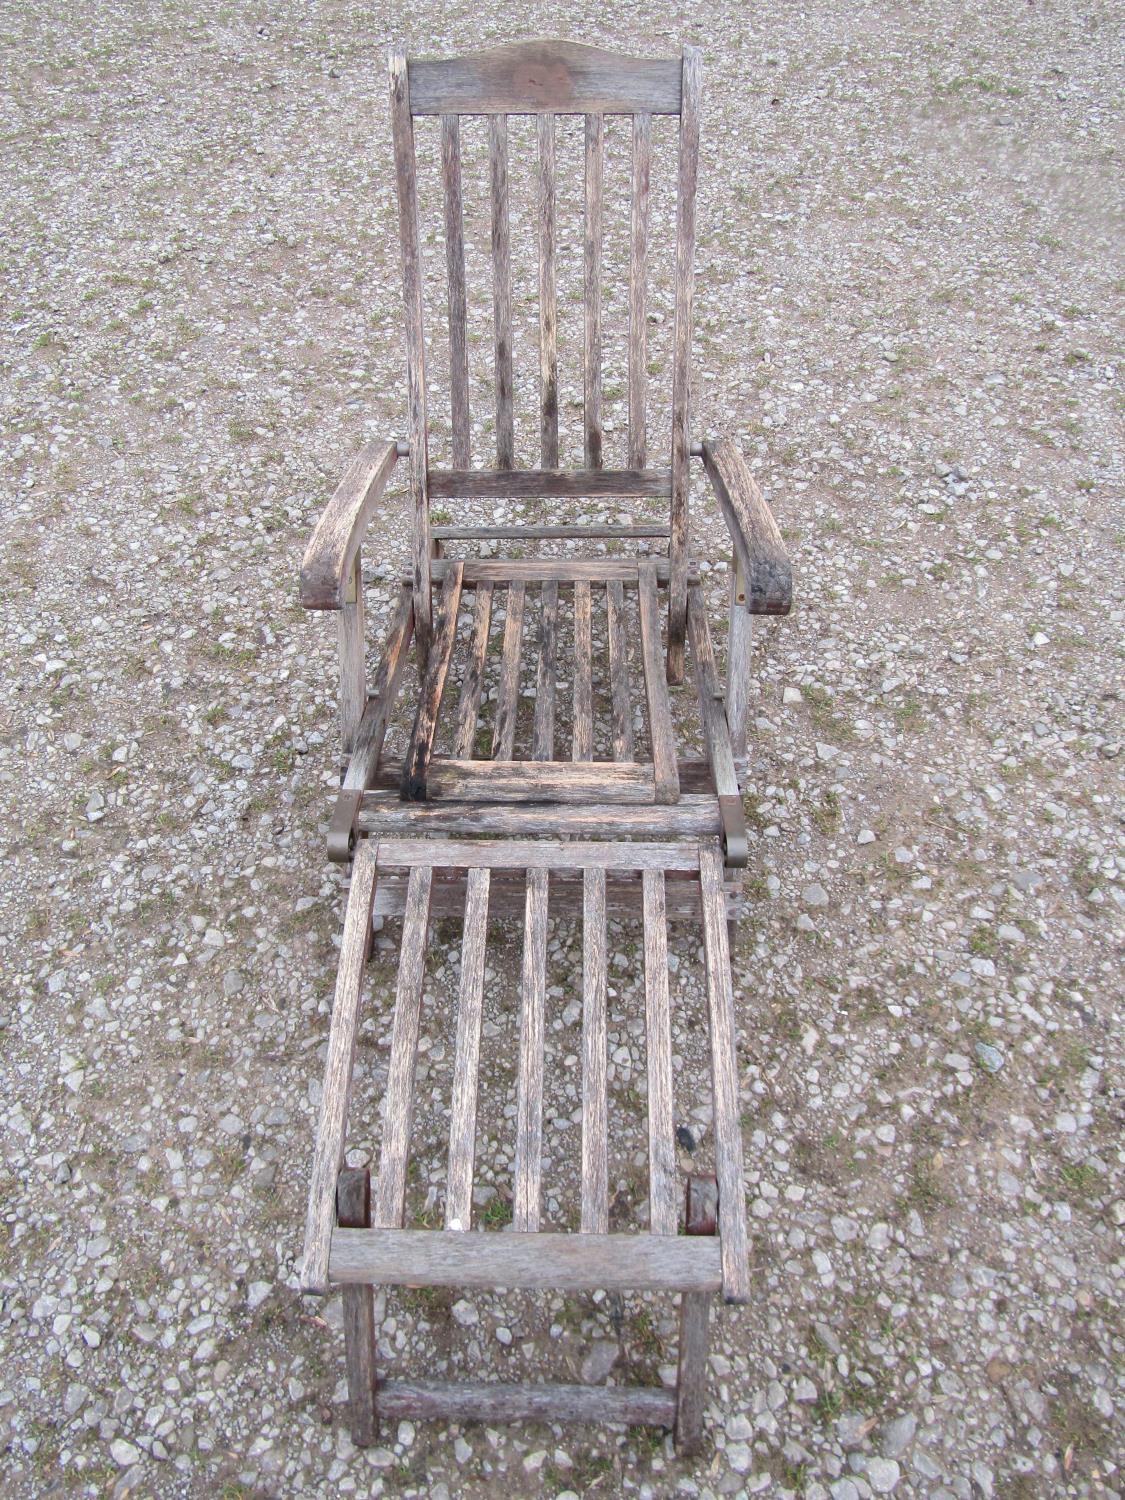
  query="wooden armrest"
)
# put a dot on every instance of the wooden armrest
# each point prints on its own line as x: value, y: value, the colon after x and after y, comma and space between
x: 758, y: 549
x: 326, y: 568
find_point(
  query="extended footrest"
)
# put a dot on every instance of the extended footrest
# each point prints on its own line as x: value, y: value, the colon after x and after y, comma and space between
x: 359, y: 1240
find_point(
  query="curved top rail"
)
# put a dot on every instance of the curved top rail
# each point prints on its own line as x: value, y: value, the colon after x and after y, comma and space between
x: 545, y: 76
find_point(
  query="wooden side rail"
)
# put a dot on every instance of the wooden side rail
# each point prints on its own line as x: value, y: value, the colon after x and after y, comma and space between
x: 759, y: 551
x: 329, y: 562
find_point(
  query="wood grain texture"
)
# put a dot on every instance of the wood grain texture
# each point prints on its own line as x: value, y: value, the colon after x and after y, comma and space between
x: 595, y: 1138
x: 740, y: 645
x: 548, y: 300
x: 463, y: 1110
x: 681, y: 357
x: 694, y: 815
x: 353, y: 1211
x: 543, y: 730
x: 583, y: 735
x: 663, y: 1203
x: 473, y: 680
x: 691, y: 1375
x: 529, y: 77
x: 592, y: 294
x: 398, y: 1102
x: 724, y: 1081
x: 508, y: 896
x: 621, y: 704
x: 508, y: 692
x: 565, y: 569
x: 638, y: 267
x: 455, y: 272
x: 368, y: 743
x: 416, y: 765
x: 539, y: 781
x: 501, y: 288
x: 478, y: 1401
x: 661, y: 732
x: 548, y: 484
x: 402, y: 133
x: 328, y: 565
x: 579, y: 531
x: 352, y: 652
x: 758, y: 546
x: 527, y: 1168
x: 526, y: 1260
x: 544, y: 854
x: 716, y: 732
x: 332, y: 1121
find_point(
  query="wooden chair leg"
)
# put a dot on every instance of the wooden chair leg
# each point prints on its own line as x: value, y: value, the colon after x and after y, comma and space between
x: 700, y: 1217
x: 739, y: 642
x: 353, y: 1211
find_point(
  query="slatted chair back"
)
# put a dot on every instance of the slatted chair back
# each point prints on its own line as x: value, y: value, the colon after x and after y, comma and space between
x: 545, y: 79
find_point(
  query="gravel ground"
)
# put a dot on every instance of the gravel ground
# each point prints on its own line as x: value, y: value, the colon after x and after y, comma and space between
x: 909, y: 276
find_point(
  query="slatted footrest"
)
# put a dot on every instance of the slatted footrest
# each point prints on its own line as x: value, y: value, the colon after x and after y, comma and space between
x: 365, y: 1246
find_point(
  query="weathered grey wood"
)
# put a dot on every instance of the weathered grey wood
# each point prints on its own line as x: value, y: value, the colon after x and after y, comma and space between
x: 592, y: 294
x: 529, y: 77
x: 501, y: 288
x: 716, y: 731
x: 538, y: 781
x: 398, y: 1102
x: 508, y: 693
x: 548, y: 484
x: 537, y: 569
x: 508, y: 896
x: 758, y: 546
x: 583, y: 739
x: 417, y: 761
x: 332, y: 1121
x: 353, y: 659
x: 527, y: 1168
x: 660, y: 728
x: 402, y: 132
x: 582, y: 530
x: 548, y: 301
x: 368, y: 744
x: 621, y: 707
x: 473, y: 679
x: 353, y: 1211
x: 543, y: 731
x: 691, y: 1377
x: 695, y: 814
x: 463, y: 1110
x: 681, y: 358
x: 328, y: 566
x: 662, y: 1185
x: 595, y: 1142
x: 724, y: 1081
x: 740, y: 644
x: 638, y: 266
x: 543, y: 854
x: 455, y: 270
x: 476, y: 1401
x: 526, y: 1260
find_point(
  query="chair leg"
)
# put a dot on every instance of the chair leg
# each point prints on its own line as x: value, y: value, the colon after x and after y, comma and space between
x: 353, y: 1211
x: 739, y: 642
x: 700, y: 1211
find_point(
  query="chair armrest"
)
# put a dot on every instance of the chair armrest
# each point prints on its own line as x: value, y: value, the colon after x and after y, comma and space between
x: 758, y: 549
x: 326, y: 568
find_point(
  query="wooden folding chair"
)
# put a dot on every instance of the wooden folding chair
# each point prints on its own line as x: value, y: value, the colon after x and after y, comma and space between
x: 502, y: 823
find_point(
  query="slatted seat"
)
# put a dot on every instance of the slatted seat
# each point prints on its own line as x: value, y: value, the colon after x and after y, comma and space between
x: 528, y: 750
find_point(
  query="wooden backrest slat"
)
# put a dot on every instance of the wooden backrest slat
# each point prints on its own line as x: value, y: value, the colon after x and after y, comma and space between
x: 592, y: 277
x: 548, y: 304
x: 501, y: 288
x: 681, y: 358
x: 463, y: 1106
x: 402, y: 130
x: 455, y: 266
x: 530, y: 77
x: 595, y: 1136
x: 638, y: 261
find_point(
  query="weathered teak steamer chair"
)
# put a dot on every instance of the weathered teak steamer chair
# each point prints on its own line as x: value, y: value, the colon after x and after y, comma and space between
x: 550, y: 828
